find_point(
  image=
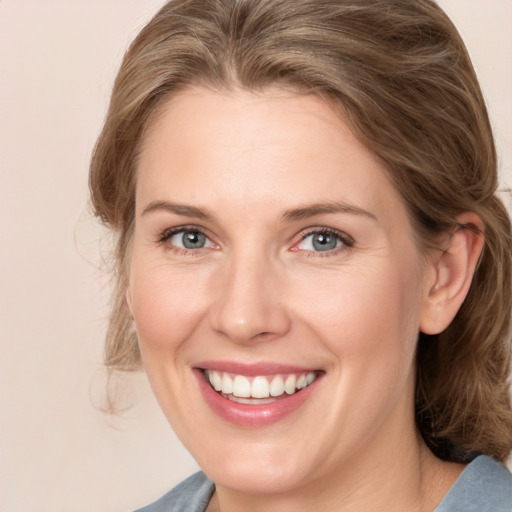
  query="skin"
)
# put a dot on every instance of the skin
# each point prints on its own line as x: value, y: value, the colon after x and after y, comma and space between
x: 259, y: 292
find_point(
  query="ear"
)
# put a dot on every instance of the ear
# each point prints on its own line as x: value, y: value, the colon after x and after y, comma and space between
x: 453, y: 270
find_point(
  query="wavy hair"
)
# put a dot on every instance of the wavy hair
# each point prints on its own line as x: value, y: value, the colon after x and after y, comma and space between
x: 399, y: 71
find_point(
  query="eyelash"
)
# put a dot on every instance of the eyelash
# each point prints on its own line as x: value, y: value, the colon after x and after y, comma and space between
x: 346, y: 240
x: 164, y: 238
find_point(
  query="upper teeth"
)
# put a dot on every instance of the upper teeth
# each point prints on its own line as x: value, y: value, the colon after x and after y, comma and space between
x: 260, y: 387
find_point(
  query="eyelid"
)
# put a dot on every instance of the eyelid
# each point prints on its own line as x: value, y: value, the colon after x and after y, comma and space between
x: 346, y: 240
x: 164, y: 237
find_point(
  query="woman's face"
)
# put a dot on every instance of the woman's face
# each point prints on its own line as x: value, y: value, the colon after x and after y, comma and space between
x: 271, y: 253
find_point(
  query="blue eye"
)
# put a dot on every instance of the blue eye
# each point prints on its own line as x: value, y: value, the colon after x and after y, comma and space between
x: 322, y: 241
x: 185, y: 239
x: 188, y: 239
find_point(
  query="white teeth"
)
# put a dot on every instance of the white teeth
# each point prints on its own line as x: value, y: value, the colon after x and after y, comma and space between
x: 289, y: 384
x: 260, y: 388
x: 227, y: 384
x: 241, y: 386
x: 277, y: 386
x: 215, y: 381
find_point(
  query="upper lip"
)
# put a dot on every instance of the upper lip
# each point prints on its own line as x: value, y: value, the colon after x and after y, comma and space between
x: 253, y: 369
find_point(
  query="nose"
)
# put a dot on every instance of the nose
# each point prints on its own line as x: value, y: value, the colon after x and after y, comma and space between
x: 250, y: 303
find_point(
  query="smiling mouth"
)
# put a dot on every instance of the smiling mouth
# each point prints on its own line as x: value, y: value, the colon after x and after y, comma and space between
x: 259, y: 389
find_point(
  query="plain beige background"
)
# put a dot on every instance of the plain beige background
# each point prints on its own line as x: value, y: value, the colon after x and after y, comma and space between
x: 58, y: 58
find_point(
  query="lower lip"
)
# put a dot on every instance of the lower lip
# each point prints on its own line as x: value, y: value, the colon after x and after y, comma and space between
x: 248, y: 415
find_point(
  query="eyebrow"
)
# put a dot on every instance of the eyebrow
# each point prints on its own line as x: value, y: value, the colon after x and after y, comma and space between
x: 179, y: 209
x: 294, y: 214
x: 311, y: 210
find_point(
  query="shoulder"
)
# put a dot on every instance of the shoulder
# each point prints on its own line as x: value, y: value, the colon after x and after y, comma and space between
x: 191, y: 495
x: 485, y: 485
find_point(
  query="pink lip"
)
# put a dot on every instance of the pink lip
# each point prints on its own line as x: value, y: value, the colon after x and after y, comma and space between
x: 248, y: 415
x: 252, y: 370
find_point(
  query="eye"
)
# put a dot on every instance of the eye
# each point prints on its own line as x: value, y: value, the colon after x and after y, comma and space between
x: 323, y: 241
x: 186, y: 239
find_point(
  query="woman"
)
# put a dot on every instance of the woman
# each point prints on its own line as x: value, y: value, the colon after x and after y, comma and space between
x: 312, y: 265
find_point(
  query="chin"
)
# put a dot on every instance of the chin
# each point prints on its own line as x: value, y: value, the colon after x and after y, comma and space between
x: 256, y: 477
x: 265, y: 466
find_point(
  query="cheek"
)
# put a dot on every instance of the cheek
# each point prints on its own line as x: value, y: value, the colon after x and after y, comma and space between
x: 166, y: 306
x: 368, y: 318
x: 370, y: 328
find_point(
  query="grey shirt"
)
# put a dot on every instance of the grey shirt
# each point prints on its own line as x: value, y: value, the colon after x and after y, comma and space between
x: 484, y: 486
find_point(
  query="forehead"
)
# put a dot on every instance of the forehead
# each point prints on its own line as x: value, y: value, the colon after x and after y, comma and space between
x: 261, y: 151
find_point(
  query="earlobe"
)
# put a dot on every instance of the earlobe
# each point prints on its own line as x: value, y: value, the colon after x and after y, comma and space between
x: 453, y: 271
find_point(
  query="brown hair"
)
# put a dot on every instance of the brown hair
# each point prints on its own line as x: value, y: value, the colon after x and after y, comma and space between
x: 402, y: 75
